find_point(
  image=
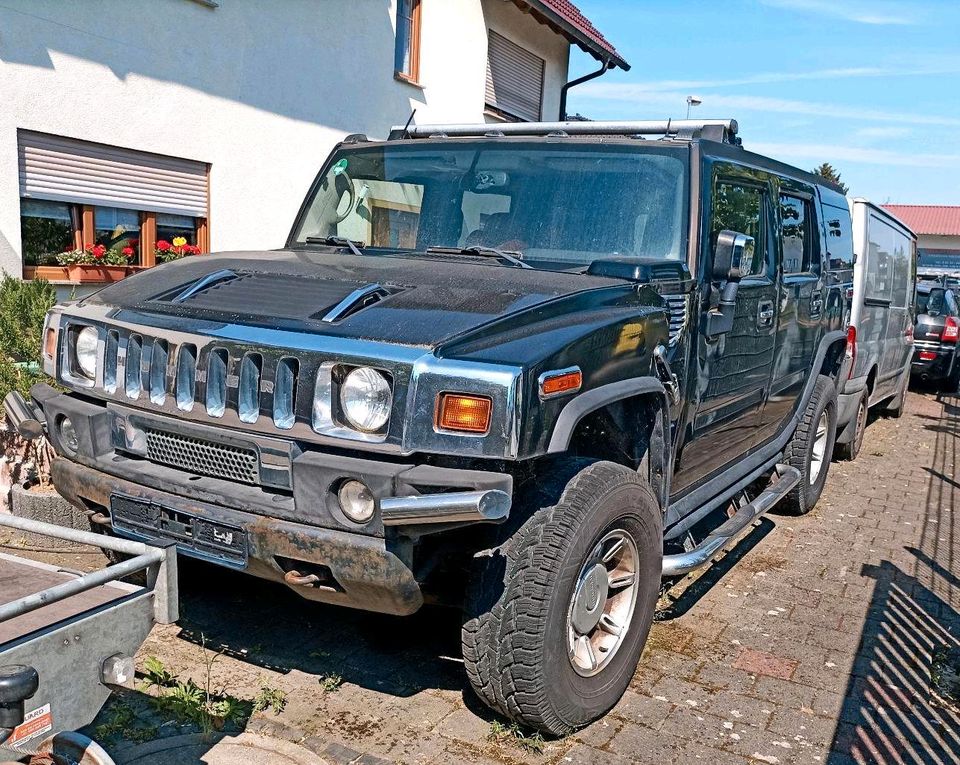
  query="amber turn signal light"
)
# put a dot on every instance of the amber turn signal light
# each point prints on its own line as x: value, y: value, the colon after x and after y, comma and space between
x: 463, y: 413
x: 50, y: 343
x: 561, y: 382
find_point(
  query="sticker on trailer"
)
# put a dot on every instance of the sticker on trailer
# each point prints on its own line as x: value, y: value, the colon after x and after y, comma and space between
x: 34, y: 724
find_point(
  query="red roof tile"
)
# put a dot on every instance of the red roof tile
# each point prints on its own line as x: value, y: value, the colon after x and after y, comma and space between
x: 935, y: 220
x: 579, y: 27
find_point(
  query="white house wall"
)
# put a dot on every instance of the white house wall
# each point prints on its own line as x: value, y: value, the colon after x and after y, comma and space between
x: 259, y: 90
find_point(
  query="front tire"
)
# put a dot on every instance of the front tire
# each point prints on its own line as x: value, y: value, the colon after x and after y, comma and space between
x: 557, y: 615
x: 811, y: 446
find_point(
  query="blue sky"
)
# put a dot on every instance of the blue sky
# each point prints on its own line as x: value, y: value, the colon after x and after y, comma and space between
x: 871, y: 86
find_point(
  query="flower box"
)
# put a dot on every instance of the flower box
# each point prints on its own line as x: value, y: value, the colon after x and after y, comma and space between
x: 93, y: 272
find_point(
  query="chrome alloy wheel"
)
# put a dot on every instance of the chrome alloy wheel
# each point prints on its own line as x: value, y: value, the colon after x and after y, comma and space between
x: 603, y: 602
x: 819, y: 448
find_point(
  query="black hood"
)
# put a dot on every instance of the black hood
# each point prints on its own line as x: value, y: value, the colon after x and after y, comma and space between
x: 422, y: 301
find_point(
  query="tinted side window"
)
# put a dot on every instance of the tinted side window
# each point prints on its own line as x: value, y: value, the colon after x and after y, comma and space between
x: 932, y: 303
x: 798, y: 243
x: 839, y: 244
x: 739, y: 207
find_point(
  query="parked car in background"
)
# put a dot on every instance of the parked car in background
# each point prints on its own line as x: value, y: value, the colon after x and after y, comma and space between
x: 935, y: 335
x: 533, y: 370
x: 881, y: 321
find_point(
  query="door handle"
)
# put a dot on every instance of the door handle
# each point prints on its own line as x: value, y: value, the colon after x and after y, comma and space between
x: 765, y: 314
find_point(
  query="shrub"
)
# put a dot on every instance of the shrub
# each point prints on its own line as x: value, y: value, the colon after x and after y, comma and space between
x: 23, y: 306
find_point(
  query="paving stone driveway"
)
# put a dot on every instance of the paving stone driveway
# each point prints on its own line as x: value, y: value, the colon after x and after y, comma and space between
x: 810, y: 643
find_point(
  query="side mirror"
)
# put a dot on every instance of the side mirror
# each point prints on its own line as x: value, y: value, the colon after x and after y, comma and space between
x: 732, y: 256
x: 732, y: 260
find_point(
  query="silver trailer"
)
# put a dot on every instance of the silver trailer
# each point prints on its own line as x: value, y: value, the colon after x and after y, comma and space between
x: 881, y: 321
x: 66, y: 638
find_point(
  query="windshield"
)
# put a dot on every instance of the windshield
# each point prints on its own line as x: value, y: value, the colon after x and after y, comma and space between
x: 562, y: 207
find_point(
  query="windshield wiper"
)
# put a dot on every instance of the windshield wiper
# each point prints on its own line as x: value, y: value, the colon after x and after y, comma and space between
x: 512, y: 257
x: 338, y: 241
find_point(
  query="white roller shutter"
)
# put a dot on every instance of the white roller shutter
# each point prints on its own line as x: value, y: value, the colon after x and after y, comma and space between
x: 514, y: 78
x: 68, y: 170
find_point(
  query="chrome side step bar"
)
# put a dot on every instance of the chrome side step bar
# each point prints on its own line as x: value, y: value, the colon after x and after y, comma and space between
x: 455, y: 507
x: 684, y: 563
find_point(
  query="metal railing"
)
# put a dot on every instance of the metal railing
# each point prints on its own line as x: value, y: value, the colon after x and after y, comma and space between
x: 160, y: 563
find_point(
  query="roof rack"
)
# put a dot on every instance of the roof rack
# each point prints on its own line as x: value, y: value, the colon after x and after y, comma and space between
x: 714, y: 130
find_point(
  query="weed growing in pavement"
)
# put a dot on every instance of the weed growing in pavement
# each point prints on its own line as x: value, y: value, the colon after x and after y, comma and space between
x: 330, y: 683
x: 514, y: 734
x: 208, y: 708
x: 270, y: 698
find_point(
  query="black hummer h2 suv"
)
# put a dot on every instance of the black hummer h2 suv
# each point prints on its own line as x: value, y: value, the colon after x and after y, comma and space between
x: 535, y: 369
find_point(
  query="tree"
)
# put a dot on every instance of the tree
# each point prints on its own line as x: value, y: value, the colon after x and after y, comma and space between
x: 828, y: 171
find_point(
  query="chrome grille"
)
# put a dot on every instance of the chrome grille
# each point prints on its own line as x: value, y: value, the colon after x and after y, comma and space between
x: 677, y: 305
x: 232, y: 463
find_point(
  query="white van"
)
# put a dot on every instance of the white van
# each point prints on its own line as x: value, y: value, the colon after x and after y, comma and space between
x: 881, y: 321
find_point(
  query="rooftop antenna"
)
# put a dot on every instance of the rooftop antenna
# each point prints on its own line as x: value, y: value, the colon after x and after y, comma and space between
x: 406, y: 128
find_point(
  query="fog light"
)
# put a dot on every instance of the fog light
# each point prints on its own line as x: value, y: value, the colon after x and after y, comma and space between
x: 68, y: 435
x: 356, y: 501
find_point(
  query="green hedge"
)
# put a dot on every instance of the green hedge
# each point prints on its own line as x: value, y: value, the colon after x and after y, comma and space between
x: 23, y: 306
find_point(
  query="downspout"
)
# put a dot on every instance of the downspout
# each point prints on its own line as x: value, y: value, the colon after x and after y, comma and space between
x: 579, y: 81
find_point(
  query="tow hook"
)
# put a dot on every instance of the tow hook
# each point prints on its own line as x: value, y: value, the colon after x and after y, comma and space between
x: 296, y: 579
x: 667, y: 377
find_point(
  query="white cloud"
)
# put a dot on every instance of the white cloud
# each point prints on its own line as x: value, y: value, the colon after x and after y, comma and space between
x: 875, y: 12
x: 717, y: 104
x: 882, y: 132
x: 764, y: 78
x: 803, y: 152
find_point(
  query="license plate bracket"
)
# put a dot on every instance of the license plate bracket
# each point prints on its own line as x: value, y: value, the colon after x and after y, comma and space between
x: 194, y: 535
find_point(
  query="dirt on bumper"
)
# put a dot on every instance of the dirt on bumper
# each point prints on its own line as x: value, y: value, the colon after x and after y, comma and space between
x: 363, y: 572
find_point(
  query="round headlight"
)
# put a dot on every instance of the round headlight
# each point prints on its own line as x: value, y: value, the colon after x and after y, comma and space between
x: 366, y: 399
x: 86, y: 352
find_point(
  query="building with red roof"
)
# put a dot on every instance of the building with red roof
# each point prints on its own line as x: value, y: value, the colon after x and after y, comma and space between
x: 938, y: 233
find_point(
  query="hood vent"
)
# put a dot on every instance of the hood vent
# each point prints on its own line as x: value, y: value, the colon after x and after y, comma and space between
x: 361, y: 298
x: 249, y: 293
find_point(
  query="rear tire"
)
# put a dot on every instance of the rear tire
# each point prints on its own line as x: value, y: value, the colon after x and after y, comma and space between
x: 894, y: 408
x: 849, y: 451
x: 544, y: 609
x: 811, y: 446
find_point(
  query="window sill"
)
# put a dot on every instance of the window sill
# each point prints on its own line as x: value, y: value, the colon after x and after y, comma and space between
x: 407, y: 80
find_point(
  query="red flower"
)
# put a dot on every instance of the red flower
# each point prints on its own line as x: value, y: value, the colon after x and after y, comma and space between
x: 127, y: 252
x: 163, y: 245
x: 99, y: 251
x: 193, y: 249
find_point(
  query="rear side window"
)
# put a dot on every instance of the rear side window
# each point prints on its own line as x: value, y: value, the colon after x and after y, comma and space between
x: 932, y: 303
x: 740, y: 207
x: 889, y: 264
x: 797, y: 243
x: 839, y: 244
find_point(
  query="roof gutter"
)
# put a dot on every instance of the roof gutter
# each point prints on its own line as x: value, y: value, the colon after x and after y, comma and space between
x: 607, y: 65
